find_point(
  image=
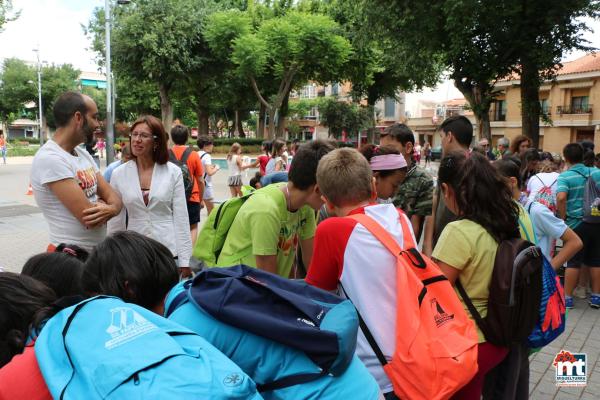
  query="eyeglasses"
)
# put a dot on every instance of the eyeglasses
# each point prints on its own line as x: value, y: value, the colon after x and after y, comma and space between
x: 141, y: 136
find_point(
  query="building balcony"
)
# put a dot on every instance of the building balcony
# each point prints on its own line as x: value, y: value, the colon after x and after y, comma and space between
x: 586, y: 109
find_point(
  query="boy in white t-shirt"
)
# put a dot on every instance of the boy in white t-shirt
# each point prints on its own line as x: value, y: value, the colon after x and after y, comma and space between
x: 346, y: 253
x: 68, y: 186
x: 205, y: 144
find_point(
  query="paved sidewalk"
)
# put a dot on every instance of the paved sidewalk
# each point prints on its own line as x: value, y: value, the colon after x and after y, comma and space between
x: 582, y: 335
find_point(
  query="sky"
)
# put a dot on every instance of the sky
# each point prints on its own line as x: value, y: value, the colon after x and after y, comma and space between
x: 56, y: 27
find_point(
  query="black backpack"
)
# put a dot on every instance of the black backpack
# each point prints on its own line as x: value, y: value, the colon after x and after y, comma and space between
x: 188, y: 179
x: 515, y: 294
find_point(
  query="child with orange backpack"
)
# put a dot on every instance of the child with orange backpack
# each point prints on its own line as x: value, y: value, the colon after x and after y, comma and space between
x: 415, y: 337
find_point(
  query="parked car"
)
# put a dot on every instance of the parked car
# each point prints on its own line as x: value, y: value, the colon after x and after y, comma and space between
x: 436, y: 153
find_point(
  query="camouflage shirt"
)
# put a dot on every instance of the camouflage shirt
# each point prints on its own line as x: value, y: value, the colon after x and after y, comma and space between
x: 415, y: 194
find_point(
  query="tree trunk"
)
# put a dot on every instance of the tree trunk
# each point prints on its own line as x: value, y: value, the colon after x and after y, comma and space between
x: 530, y: 101
x: 202, y: 116
x: 260, y: 127
x: 480, y: 98
x: 283, y: 112
x: 239, y: 125
x: 272, y: 111
x: 166, y: 107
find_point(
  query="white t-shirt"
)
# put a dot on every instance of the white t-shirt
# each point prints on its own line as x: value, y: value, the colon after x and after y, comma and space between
x: 206, y: 161
x: 547, y: 227
x: 540, y: 180
x: 50, y: 164
x: 234, y: 169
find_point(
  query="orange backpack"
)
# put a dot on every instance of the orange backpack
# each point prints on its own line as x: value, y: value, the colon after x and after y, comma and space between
x: 436, y: 342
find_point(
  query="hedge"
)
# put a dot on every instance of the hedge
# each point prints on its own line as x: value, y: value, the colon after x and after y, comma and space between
x: 24, y: 139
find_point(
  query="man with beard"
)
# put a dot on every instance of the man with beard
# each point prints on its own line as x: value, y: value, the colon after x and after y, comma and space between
x: 68, y: 186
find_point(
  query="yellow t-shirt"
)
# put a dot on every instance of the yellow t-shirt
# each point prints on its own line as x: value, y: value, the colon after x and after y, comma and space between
x: 468, y: 247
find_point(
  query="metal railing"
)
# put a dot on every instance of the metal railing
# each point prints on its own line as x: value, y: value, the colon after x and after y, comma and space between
x: 584, y: 109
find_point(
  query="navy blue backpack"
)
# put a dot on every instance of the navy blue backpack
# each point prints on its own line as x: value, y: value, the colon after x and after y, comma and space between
x: 320, y: 324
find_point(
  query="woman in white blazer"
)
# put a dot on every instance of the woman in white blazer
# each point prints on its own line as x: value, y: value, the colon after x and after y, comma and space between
x: 152, y: 191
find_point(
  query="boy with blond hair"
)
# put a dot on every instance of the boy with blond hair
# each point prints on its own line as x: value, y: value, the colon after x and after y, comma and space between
x: 347, y: 254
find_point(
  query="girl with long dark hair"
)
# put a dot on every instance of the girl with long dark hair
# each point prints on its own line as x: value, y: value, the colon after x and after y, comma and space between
x: 475, y: 192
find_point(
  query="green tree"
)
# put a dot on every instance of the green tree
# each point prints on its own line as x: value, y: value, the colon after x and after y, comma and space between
x: 17, y: 87
x: 283, y: 51
x: 154, y: 41
x: 56, y: 79
x: 544, y: 31
x: 340, y: 116
x: 7, y: 13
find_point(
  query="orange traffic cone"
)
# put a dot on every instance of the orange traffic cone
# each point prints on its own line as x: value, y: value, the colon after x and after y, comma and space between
x: 29, y: 190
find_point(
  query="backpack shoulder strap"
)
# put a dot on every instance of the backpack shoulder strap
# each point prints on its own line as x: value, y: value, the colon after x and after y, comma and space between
x: 186, y: 155
x: 368, y: 335
x: 474, y: 313
x: 172, y: 156
x: 383, y: 235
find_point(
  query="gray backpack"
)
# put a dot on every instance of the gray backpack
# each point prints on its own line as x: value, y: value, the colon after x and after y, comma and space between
x: 591, y: 200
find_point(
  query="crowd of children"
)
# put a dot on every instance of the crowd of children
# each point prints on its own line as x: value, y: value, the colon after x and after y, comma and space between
x: 332, y: 224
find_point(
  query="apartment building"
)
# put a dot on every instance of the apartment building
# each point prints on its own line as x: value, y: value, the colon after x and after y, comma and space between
x: 570, y: 106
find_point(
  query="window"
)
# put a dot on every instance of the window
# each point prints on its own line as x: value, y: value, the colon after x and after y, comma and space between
x: 580, y: 104
x: 545, y: 107
x: 500, y: 110
x: 389, y: 107
x: 335, y: 89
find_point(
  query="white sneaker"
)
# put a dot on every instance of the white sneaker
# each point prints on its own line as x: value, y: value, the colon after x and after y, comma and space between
x: 580, y: 292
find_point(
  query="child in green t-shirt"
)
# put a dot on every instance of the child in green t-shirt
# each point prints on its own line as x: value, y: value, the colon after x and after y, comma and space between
x: 276, y: 219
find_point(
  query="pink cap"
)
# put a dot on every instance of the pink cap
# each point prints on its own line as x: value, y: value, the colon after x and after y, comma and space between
x: 388, y: 162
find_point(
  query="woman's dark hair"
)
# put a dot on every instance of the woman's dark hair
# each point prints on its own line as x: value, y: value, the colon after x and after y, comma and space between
x: 516, y: 143
x: 509, y: 169
x: 482, y: 194
x: 276, y: 147
x: 589, y: 158
x: 161, y: 150
x: 60, y: 271
x: 268, y: 146
x: 21, y: 297
x: 131, y: 266
x: 72, y: 249
x: 370, y: 150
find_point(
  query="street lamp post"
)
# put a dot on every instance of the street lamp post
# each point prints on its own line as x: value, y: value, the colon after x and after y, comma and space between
x: 41, y: 114
x: 110, y: 133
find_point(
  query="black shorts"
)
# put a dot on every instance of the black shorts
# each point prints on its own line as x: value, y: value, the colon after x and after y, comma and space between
x: 590, y: 254
x: 193, y: 212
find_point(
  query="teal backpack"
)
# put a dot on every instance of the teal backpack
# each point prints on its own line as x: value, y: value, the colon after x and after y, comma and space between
x: 214, y: 232
x: 104, y: 348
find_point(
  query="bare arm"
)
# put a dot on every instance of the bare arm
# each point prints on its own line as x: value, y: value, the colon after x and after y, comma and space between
x: 561, y: 205
x: 72, y: 197
x: 306, y: 246
x: 241, y: 165
x: 429, y: 222
x: 109, y: 207
x: 267, y: 263
x: 450, y: 272
x: 415, y: 220
x: 211, y: 169
x: 571, y: 245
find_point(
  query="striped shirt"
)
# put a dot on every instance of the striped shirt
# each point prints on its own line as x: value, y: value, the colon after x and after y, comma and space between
x: 573, y: 182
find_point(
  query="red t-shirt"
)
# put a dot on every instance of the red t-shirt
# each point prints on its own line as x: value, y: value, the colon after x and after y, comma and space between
x: 21, y: 378
x: 263, y: 161
x: 195, y: 166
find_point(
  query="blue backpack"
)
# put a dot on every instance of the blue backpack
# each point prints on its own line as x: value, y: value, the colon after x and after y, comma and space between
x: 316, y: 322
x: 104, y: 348
x: 552, y: 321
